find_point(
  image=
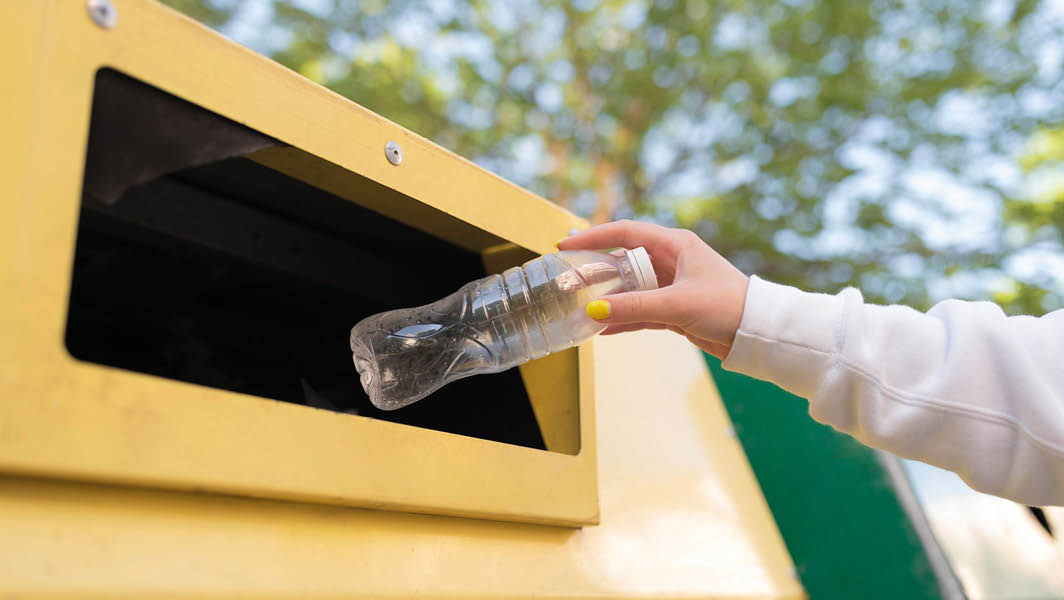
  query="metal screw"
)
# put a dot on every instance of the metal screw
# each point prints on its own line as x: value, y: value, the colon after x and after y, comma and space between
x: 103, y: 13
x: 394, y: 153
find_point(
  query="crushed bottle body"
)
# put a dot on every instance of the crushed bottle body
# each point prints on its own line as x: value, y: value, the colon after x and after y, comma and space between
x: 488, y: 325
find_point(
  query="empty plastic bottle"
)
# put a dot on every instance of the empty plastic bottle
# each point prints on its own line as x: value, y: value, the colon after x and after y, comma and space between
x: 491, y: 324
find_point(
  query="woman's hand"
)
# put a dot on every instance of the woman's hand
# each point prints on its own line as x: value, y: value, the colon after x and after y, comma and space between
x: 701, y: 295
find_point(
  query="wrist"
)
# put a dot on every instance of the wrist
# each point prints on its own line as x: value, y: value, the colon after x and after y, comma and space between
x: 736, y: 304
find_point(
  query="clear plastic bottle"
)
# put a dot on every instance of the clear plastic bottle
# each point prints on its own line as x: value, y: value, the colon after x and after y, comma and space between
x: 491, y: 324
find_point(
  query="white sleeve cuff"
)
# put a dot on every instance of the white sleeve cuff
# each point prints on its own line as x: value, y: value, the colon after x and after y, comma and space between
x: 788, y: 336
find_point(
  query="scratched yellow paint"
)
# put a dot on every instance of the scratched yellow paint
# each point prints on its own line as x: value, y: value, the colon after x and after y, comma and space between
x: 113, y: 482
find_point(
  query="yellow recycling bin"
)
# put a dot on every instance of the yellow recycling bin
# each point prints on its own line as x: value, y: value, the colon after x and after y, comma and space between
x: 187, y: 232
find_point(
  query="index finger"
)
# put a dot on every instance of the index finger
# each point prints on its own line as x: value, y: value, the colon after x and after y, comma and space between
x: 659, y: 241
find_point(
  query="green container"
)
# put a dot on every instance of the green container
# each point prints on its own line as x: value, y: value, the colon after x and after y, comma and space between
x: 832, y: 499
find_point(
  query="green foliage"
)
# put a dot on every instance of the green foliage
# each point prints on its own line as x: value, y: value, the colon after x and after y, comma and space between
x: 883, y: 144
x: 1037, y: 218
x: 204, y: 12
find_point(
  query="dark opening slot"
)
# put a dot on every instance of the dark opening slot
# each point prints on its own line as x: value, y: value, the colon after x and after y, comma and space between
x: 234, y: 276
x: 1040, y: 516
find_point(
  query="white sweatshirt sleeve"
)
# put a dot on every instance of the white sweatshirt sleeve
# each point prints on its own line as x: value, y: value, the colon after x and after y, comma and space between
x: 962, y: 387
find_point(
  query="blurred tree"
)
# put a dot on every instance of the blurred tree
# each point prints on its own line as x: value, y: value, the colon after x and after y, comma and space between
x: 1035, y: 220
x: 204, y: 12
x: 884, y: 144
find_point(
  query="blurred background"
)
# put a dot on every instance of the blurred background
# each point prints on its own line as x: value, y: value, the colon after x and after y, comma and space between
x: 914, y: 149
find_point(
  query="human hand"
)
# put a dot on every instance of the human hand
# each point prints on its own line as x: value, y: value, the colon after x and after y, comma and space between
x: 701, y: 295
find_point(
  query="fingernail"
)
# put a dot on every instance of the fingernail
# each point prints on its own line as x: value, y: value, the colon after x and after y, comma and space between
x: 598, y: 309
x: 559, y: 241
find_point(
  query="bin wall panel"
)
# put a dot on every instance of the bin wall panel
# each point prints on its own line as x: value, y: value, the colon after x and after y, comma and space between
x: 681, y: 517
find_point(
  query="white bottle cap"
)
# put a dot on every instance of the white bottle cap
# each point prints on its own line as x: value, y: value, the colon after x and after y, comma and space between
x: 644, y: 271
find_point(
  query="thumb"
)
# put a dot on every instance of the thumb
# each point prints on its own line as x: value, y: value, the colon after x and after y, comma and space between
x: 652, y: 306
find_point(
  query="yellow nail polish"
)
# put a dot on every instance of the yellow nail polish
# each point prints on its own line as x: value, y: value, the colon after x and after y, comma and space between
x: 598, y: 309
x: 559, y: 241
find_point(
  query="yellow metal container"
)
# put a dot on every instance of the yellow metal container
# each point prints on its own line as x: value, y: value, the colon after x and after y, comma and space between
x: 118, y: 482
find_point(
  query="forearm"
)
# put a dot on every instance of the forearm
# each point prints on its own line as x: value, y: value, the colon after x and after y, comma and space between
x: 962, y: 387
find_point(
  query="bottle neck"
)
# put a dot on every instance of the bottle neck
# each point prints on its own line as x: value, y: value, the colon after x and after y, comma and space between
x: 629, y: 274
x: 638, y: 262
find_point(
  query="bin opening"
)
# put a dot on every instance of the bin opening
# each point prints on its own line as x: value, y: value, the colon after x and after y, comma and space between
x: 197, y: 264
